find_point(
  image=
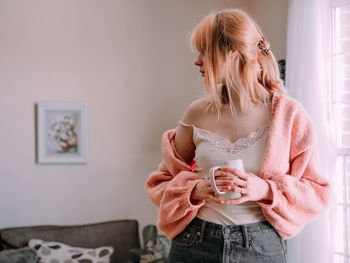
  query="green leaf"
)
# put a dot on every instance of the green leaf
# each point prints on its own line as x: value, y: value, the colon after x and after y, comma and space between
x: 166, y: 243
x: 149, y: 233
x: 164, y: 240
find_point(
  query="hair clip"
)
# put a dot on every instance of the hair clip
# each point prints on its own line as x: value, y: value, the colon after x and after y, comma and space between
x: 262, y: 46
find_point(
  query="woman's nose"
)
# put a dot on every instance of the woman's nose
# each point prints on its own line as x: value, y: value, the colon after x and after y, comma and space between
x: 199, y: 61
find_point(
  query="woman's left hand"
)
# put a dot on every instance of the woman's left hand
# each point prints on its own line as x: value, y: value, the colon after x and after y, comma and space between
x: 252, y: 187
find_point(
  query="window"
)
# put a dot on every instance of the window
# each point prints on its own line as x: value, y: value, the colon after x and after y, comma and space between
x: 341, y: 116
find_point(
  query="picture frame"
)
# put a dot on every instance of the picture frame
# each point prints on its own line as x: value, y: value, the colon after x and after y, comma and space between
x: 61, y: 133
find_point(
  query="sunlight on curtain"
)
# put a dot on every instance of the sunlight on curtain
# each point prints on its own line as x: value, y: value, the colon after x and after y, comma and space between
x: 341, y: 105
x: 308, y: 76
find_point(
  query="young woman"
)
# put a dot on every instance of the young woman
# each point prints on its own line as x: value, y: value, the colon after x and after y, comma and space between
x: 246, y: 115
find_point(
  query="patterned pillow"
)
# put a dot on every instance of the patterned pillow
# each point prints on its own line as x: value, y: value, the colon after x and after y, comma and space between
x: 55, y: 252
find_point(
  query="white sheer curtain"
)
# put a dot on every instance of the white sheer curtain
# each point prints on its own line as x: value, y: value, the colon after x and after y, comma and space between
x: 308, y: 76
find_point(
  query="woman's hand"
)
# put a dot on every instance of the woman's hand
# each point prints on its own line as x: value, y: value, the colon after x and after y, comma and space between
x: 252, y: 187
x: 203, y: 190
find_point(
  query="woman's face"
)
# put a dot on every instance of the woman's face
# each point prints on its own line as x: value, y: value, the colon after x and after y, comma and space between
x: 201, y: 63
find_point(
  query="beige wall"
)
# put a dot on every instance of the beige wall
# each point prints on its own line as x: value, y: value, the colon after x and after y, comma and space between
x: 271, y: 15
x: 131, y: 62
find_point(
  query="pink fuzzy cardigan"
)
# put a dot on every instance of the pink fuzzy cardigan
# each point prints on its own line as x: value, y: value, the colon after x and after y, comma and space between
x: 289, y: 165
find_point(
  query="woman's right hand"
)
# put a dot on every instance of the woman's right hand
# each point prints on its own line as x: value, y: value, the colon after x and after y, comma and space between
x: 203, y: 190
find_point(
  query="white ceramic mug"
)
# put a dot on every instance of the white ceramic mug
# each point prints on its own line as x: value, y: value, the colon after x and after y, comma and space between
x: 238, y: 164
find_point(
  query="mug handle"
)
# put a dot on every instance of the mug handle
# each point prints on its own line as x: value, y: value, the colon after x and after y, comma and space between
x: 212, y: 180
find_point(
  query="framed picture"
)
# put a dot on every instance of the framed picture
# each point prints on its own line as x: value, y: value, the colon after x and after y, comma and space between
x: 61, y: 133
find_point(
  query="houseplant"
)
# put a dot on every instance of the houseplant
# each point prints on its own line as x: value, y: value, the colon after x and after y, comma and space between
x: 155, y: 247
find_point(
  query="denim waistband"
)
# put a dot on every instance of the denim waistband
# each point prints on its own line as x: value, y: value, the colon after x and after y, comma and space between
x: 230, y: 231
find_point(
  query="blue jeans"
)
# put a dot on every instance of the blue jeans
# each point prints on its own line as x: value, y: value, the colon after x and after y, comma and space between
x: 202, y: 241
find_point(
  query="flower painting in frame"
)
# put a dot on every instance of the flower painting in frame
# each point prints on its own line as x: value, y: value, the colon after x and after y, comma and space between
x: 61, y: 133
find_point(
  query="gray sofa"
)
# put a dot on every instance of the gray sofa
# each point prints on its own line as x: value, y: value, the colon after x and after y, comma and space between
x: 120, y: 234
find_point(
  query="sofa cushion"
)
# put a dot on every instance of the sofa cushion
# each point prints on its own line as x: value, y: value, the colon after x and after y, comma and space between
x: 49, y: 252
x: 119, y: 234
x: 21, y: 255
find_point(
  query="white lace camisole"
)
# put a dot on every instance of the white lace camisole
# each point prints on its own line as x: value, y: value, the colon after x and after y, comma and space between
x: 211, y: 149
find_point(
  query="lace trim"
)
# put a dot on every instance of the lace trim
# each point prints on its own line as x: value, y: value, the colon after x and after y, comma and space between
x: 233, y: 147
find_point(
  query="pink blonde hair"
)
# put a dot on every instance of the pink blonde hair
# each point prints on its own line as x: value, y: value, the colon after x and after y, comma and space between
x: 252, y: 75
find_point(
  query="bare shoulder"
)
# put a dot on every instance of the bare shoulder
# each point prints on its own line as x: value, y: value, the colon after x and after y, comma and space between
x: 195, y: 110
x: 184, y: 133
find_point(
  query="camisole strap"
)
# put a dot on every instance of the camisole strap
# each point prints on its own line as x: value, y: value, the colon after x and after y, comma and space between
x: 194, y: 135
x: 185, y: 124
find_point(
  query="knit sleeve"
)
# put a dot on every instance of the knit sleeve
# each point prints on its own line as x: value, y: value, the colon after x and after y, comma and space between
x: 299, y: 196
x: 170, y: 188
